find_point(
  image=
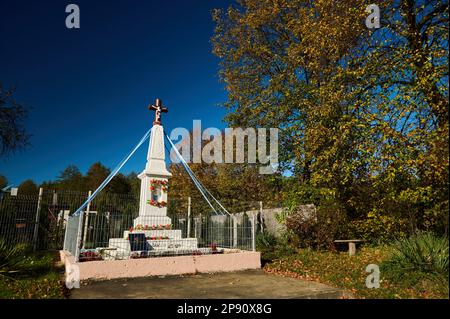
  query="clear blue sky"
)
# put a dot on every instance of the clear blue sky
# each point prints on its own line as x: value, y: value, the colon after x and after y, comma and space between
x: 89, y: 88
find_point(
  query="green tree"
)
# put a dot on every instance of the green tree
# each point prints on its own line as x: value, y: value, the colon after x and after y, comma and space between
x: 135, y: 183
x: 119, y: 185
x: 71, y: 179
x: 28, y: 187
x: 95, y: 175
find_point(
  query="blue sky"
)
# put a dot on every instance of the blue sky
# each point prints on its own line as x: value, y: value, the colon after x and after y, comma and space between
x: 89, y: 88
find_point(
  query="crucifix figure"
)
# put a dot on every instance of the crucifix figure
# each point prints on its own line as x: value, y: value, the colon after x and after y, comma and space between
x: 158, y: 108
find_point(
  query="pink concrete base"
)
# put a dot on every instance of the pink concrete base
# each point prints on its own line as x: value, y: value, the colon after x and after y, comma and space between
x: 161, y: 266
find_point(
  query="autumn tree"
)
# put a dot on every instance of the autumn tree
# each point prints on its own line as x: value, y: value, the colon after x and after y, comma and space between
x: 237, y: 186
x: 363, y: 113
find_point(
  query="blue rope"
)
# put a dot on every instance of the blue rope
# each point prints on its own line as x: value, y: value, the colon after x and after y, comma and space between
x: 111, y: 175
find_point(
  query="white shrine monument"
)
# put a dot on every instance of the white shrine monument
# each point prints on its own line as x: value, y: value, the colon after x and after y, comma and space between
x: 152, y: 234
x: 153, y: 221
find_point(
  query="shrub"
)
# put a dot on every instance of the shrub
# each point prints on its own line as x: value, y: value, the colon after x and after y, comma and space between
x: 318, y: 228
x: 271, y: 247
x: 423, y: 252
x: 265, y: 241
x: 377, y: 228
x: 11, y: 257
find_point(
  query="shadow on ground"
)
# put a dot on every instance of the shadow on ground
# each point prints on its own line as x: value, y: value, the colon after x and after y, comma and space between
x: 244, y: 284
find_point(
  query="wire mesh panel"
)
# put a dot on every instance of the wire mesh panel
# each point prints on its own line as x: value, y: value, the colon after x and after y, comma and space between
x: 110, y: 236
x: 71, y: 241
x: 107, y: 229
x: 17, y: 218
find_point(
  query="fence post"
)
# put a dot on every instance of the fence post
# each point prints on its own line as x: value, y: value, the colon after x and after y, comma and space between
x: 235, y: 232
x: 261, y: 221
x: 88, y: 209
x: 254, y: 232
x: 65, y: 233
x: 36, y: 222
x: 188, y: 234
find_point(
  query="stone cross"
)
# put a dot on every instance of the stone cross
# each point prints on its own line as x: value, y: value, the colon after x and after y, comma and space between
x: 158, y: 108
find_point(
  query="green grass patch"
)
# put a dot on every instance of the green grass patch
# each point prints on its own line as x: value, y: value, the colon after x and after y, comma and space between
x: 35, y: 276
x: 348, y: 272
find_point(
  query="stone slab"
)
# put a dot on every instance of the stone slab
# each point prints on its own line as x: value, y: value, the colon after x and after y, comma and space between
x: 248, y: 284
x: 172, y: 233
x: 152, y: 220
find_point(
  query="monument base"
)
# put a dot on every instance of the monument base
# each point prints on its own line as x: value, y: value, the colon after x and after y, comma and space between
x: 152, y: 221
x: 230, y: 260
x: 120, y: 248
x: 162, y: 240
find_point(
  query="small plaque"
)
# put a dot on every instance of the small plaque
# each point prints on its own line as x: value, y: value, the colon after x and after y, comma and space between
x: 138, y: 242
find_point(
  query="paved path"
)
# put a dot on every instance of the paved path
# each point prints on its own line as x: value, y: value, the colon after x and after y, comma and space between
x: 244, y: 284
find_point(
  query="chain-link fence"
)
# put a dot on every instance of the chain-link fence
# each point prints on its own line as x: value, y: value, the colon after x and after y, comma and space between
x: 110, y: 237
x: 18, y: 218
x: 109, y: 228
x: 40, y: 220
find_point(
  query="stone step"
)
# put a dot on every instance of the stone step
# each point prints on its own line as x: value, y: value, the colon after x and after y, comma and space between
x: 172, y: 233
x: 152, y: 220
x: 119, y: 248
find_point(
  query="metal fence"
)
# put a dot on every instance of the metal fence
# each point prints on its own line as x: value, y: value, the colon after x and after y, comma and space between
x: 109, y: 237
x: 18, y: 218
x: 107, y: 228
x: 40, y: 220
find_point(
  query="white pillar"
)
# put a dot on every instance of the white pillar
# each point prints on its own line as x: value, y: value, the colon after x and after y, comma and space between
x: 86, y: 221
x: 254, y: 232
x: 235, y: 232
x: 36, y: 222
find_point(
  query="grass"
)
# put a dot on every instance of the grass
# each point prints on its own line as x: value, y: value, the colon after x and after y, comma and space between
x: 340, y: 270
x: 38, y: 278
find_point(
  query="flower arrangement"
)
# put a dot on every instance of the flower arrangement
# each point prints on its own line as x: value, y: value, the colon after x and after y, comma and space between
x: 156, y: 203
x: 156, y: 182
x: 157, y: 237
x: 89, y: 255
x: 214, y: 249
x: 152, y: 227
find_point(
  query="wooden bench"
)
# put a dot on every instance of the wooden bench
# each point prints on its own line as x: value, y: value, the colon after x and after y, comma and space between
x: 351, y: 244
